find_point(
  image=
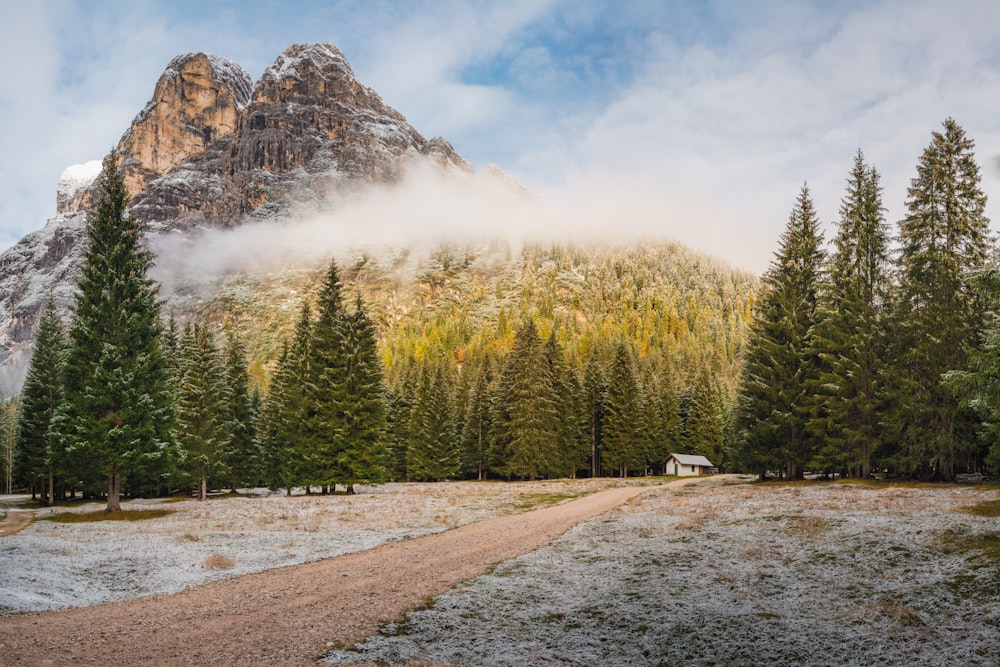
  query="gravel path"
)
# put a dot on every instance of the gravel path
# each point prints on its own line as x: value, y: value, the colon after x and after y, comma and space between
x: 294, y: 615
x: 14, y: 520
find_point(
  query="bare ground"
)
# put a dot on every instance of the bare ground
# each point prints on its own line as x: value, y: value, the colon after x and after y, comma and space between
x: 293, y: 615
x: 14, y: 520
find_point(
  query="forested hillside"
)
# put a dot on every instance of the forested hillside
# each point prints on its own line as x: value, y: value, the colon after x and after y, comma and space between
x: 665, y: 319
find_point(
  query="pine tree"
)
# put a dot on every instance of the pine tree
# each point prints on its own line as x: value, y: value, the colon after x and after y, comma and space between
x: 777, y: 373
x: 117, y: 409
x: 326, y: 399
x: 239, y: 447
x: 399, y: 404
x: 202, y: 402
x: 978, y: 386
x: 529, y: 423
x: 478, y: 420
x: 570, y: 426
x: 595, y: 390
x: 705, y: 424
x: 944, y: 235
x: 8, y: 437
x: 849, y: 336
x: 363, y: 452
x: 37, y: 463
x: 621, y: 435
x: 278, y: 424
x: 434, y: 452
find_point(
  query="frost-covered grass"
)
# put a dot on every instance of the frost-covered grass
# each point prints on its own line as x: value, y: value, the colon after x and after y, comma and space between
x: 750, y: 574
x: 74, y: 560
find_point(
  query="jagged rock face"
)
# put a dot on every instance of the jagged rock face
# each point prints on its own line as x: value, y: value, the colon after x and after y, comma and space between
x: 310, y: 130
x: 210, y: 149
x: 198, y: 100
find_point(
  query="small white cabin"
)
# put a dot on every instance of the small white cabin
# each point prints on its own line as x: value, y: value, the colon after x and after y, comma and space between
x: 687, y: 465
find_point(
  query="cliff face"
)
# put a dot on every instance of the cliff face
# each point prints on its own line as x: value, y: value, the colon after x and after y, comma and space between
x: 213, y: 149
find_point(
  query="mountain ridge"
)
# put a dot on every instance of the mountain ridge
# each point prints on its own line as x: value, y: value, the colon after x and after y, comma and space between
x: 213, y: 149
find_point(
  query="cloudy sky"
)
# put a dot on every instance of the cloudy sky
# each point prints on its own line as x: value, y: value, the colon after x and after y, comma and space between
x: 705, y: 117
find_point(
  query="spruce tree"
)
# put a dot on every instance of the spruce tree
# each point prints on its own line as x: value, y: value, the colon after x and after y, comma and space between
x: 278, y: 425
x: 705, y: 424
x: 434, y: 452
x: 478, y: 420
x: 8, y: 436
x: 239, y: 447
x: 528, y: 425
x: 326, y: 400
x: 571, y: 427
x: 849, y: 336
x: 777, y: 374
x: 595, y: 390
x: 202, y: 402
x: 117, y: 409
x: 622, y: 435
x: 399, y: 404
x: 363, y: 454
x: 937, y: 319
x: 37, y: 462
x: 978, y: 386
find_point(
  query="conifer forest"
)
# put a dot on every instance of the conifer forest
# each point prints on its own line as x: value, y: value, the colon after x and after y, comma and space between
x: 873, y: 352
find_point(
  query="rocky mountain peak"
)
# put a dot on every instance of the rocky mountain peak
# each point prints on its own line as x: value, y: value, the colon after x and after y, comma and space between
x: 312, y: 74
x: 198, y: 99
x: 213, y: 149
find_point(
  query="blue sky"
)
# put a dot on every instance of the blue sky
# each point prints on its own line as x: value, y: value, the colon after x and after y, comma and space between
x: 702, y: 119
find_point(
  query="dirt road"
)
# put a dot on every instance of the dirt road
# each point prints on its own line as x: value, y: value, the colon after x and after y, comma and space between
x: 294, y: 615
x: 13, y: 521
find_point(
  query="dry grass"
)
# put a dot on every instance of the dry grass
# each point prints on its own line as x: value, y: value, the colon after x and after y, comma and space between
x: 988, y: 508
x: 101, y: 515
x: 219, y: 562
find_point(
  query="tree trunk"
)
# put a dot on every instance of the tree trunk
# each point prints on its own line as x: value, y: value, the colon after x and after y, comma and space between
x: 350, y: 489
x: 203, y: 488
x: 51, y: 500
x: 114, y: 492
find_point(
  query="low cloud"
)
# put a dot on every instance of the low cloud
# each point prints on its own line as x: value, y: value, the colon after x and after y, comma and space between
x: 430, y: 206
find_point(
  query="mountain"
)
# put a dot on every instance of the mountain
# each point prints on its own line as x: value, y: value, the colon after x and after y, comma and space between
x: 213, y: 149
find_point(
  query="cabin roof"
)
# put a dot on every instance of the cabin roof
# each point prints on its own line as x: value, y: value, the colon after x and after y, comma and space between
x: 691, y: 460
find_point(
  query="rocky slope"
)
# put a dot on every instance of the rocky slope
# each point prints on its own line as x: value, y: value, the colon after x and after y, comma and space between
x: 213, y: 149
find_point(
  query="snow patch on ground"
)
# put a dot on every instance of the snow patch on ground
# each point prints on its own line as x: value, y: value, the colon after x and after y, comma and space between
x: 725, y: 575
x: 51, y: 565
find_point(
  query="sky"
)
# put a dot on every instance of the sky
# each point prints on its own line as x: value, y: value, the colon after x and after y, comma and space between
x: 704, y: 119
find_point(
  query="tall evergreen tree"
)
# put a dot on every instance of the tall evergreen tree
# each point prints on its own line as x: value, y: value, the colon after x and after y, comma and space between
x: 595, y: 391
x: 570, y: 426
x: 527, y: 425
x: 978, y: 386
x: 326, y: 399
x: 278, y: 426
x: 239, y: 447
x: 937, y: 319
x: 37, y: 463
x: 117, y: 409
x: 774, y: 394
x: 705, y: 424
x: 399, y: 404
x: 434, y: 452
x: 622, y: 436
x: 202, y: 402
x: 8, y: 437
x: 362, y: 458
x: 478, y: 420
x: 849, y: 336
